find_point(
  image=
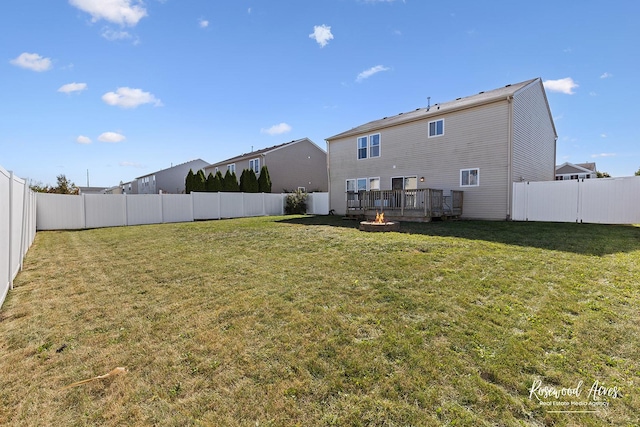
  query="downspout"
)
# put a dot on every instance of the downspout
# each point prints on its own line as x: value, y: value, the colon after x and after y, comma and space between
x: 510, y: 157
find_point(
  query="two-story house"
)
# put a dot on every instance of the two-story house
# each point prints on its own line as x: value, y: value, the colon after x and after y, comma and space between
x: 479, y: 144
x: 170, y: 180
x: 294, y: 165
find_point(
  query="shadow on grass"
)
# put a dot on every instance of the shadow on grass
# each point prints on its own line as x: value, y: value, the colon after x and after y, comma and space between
x: 584, y: 239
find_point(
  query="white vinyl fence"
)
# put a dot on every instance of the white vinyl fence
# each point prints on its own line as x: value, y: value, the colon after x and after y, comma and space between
x: 603, y: 200
x: 17, y: 227
x: 66, y: 212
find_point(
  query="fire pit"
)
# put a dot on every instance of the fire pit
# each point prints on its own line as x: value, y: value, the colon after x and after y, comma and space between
x: 379, y: 224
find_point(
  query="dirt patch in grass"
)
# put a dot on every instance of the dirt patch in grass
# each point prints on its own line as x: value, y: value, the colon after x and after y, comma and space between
x: 307, y: 321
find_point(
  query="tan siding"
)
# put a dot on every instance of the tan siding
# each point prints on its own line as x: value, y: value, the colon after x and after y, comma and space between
x: 302, y: 164
x: 474, y: 138
x: 534, y: 148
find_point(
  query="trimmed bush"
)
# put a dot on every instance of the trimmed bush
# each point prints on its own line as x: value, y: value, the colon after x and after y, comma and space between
x: 296, y: 203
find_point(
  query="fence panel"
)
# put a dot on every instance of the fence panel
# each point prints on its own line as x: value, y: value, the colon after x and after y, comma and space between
x: 17, y: 227
x: 206, y: 206
x: 59, y: 212
x: 604, y: 200
x: 143, y: 209
x: 318, y: 204
x: 253, y: 204
x: 274, y: 204
x: 610, y: 201
x: 105, y: 211
x: 177, y: 208
x: 231, y: 205
x: 5, y: 233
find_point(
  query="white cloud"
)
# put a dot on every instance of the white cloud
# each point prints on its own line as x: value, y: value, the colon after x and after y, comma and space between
x: 72, y: 87
x: 126, y: 97
x: 277, y: 129
x: 565, y: 85
x: 592, y: 93
x: 32, y: 61
x: 112, y: 137
x: 593, y: 156
x: 370, y: 72
x: 83, y: 140
x: 249, y: 11
x: 123, y: 12
x: 606, y: 75
x: 603, y: 135
x: 203, y: 23
x: 113, y: 35
x: 321, y: 34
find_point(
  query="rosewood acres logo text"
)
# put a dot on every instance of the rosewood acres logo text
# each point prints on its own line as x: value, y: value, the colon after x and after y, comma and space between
x: 574, y: 399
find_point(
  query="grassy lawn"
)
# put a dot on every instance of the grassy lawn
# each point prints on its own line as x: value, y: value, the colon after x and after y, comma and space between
x: 306, y: 321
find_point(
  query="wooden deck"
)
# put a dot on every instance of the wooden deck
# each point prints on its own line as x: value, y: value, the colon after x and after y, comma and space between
x: 405, y: 205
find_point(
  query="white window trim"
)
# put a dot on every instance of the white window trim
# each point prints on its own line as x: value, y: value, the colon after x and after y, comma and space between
x: 366, y: 184
x: 252, y: 165
x: 379, y: 145
x: 366, y: 148
x: 429, y: 128
x: 404, y: 181
x: 303, y: 189
x: 369, y: 183
x: 231, y: 167
x: 346, y: 184
x: 477, y: 184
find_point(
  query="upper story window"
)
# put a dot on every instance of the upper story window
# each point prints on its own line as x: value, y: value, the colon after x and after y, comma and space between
x: 216, y: 170
x: 231, y: 168
x: 369, y: 145
x: 254, y: 165
x: 362, y: 147
x: 469, y: 177
x: 436, y: 128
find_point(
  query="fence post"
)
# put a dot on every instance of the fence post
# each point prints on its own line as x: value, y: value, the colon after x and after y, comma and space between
x: 10, y: 278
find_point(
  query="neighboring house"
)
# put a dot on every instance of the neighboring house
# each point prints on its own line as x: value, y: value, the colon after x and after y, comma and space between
x: 130, y: 187
x: 480, y: 145
x: 170, y: 180
x: 298, y: 164
x: 576, y: 171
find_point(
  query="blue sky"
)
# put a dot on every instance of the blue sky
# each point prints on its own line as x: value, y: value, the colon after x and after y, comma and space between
x: 122, y: 88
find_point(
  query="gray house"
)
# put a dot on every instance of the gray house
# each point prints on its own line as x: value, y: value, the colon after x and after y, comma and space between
x: 170, y: 180
x: 298, y: 164
x: 478, y: 145
x: 576, y: 171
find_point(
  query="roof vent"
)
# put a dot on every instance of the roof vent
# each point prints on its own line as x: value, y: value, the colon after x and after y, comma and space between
x: 458, y: 99
x: 508, y: 85
x: 400, y: 114
x: 482, y: 92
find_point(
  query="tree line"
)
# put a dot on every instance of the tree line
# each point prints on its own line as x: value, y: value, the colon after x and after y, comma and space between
x: 248, y: 183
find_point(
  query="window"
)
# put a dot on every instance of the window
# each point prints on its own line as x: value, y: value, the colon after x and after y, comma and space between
x: 436, y: 128
x: 362, y: 147
x: 469, y: 177
x: 369, y: 143
x: 374, y: 145
x: 362, y: 184
x: 216, y: 171
x: 351, y: 186
x: 374, y: 183
x: 231, y: 168
x: 304, y: 190
x: 254, y: 165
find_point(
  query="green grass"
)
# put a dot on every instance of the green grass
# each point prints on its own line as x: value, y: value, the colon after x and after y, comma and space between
x: 306, y: 321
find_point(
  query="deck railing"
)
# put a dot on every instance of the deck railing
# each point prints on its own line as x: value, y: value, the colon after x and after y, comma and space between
x: 427, y: 201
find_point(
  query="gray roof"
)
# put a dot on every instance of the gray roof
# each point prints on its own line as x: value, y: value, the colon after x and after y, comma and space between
x: 257, y: 152
x: 190, y: 162
x: 436, y: 109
